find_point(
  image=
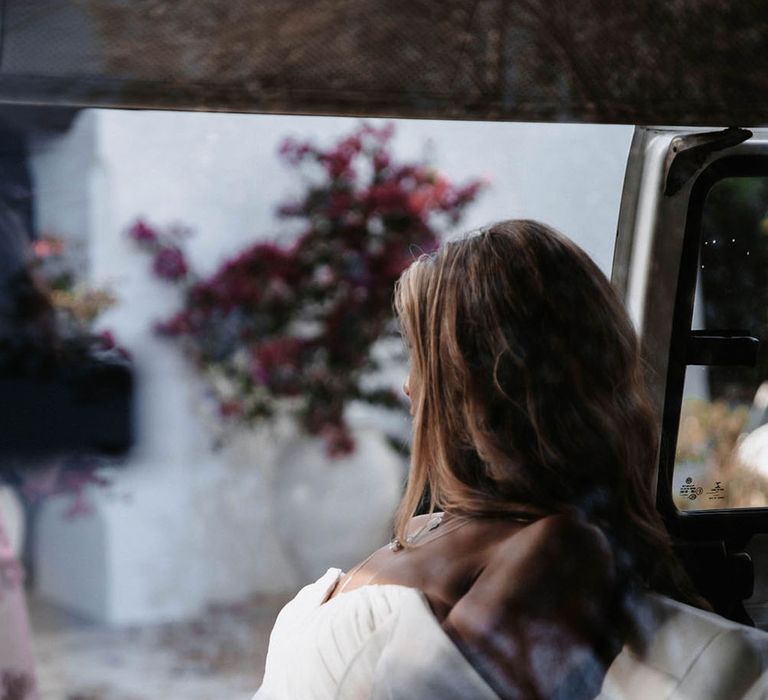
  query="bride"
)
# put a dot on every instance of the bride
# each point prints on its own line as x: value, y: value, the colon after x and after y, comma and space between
x: 535, y: 445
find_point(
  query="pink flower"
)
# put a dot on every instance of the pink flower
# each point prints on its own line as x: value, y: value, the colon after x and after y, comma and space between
x: 429, y: 197
x: 177, y: 325
x: 263, y: 258
x: 381, y: 134
x: 381, y: 160
x: 275, y: 363
x: 107, y: 340
x: 352, y: 145
x: 142, y: 233
x: 386, y: 198
x: 170, y: 264
x: 338, y: 441
x: 46, y: 247
x: 278, y: 352
x: 338, y: 164
x: 340, y: 203
x: 295, y: 152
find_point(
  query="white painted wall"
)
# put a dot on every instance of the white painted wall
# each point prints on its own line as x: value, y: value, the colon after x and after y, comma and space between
x: 220, y: 172
x: 183, y: 526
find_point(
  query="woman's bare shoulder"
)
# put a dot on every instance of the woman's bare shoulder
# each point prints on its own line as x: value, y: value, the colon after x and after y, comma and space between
x: 559, y: 550
x: 542, y: 585
x: 534, y: 571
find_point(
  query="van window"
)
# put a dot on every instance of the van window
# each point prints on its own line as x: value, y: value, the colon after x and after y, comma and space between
x: 721, y: 459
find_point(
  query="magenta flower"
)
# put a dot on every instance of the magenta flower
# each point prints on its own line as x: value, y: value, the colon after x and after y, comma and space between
x: 299, y: 320
x: 294, y: 152
x: 142, y: 233
x: 387, y: 198
x: 107, y: 340
x: 170, y: 264
x: 340, y: 204
x: 381, y: 160
x: 338, y: 441
x: 278, y: 352
x: 338, y: 164
x: 179, y: 324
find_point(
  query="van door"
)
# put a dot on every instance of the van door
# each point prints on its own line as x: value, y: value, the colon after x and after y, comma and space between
x: 691, y: 261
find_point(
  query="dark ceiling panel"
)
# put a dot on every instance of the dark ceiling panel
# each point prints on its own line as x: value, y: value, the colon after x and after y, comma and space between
x: 693, y: 62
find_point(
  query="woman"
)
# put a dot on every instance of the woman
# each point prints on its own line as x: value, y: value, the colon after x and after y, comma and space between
x: 534, y: 440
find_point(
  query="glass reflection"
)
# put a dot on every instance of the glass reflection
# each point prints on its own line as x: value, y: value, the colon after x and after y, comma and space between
x: 722, y: 450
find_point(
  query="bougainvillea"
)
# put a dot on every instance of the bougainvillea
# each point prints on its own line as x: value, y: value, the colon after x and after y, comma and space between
x: 299, y: 320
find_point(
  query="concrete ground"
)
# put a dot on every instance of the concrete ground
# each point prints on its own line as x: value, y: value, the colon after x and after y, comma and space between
x: 219, y: 656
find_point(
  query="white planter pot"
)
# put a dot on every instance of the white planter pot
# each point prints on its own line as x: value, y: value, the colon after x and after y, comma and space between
x: 334, y: 512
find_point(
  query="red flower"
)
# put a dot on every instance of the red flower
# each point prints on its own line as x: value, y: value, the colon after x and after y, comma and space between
x: 275, y: 363
x: 278, y: 352
x: 170, y: 263
x: 303, y: 318
x: 107, y: 340
x: 338, y: 164
x: 387, y: 198
x: 389, y: 264
x: 46, y: 247
x: 177, y: 325
x: 380, y: 134
x: 338, y: 441
x: 340, y: 204
x: 142, y: 233
x: 381, y: 160
x: 294, y: 152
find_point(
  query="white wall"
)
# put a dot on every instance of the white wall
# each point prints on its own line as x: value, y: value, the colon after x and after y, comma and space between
x: 220, y: 172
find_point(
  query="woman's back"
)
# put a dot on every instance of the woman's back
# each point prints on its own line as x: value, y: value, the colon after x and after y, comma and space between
x: 526, y: 387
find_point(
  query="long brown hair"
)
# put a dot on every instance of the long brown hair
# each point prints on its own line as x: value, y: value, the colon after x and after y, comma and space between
x: 528, y: 392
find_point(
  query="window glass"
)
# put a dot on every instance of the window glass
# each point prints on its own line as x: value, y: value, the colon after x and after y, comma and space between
x: 181, y: 239
x: 722, y: 449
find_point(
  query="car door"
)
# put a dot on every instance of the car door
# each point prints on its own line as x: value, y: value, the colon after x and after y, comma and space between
x: 691, y: 262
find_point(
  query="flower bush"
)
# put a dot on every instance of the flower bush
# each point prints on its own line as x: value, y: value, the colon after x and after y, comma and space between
x: 299, y: 320
x: 76, y: 306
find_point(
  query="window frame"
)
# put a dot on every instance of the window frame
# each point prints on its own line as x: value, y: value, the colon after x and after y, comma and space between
x: 737, y: 523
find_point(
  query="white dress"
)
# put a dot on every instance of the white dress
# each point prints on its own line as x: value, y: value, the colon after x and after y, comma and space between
x: 338, y: 650
x: 382, y: 642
